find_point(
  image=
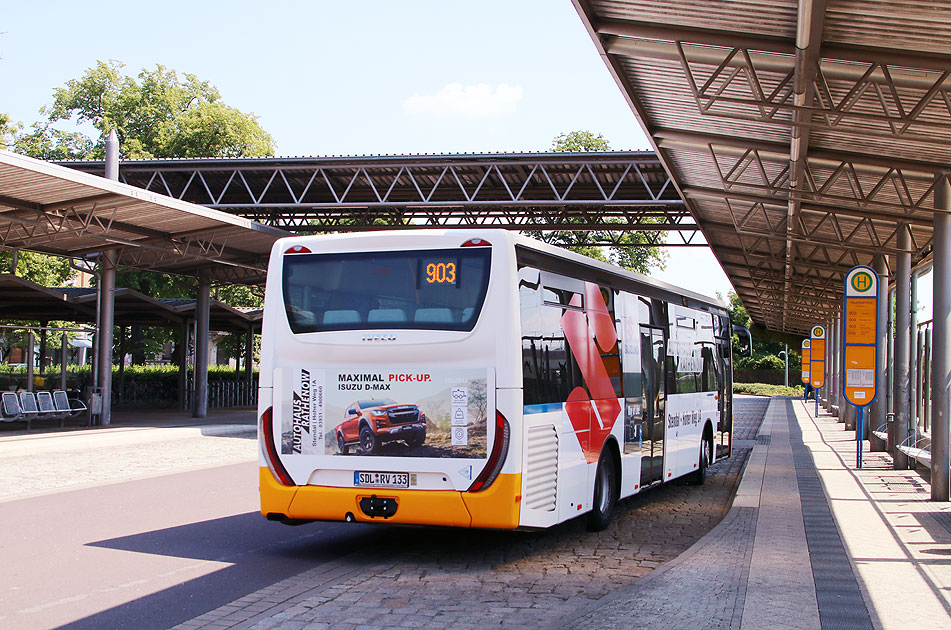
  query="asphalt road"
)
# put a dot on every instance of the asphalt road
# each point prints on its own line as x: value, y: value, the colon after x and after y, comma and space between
x: 150, y: 553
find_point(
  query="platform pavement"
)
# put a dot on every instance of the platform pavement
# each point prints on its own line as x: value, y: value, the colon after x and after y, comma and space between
x: 810, y: 542
x: 139, y: 426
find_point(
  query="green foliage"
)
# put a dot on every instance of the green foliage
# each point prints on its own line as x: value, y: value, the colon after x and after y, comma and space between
x: 633, y: 250
x: 8, y: 131
x: 580, y: 141
x: 239, y: 295
x: 759, y: 362
x: 156, y: 115
x: 50, y: 271
x: 158, y: 373
x: 763, y: 389
x: 765, y: 349
x: 234, y: 345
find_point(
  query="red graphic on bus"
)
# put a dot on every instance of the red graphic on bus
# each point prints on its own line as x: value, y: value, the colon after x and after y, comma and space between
x: 590, y: 334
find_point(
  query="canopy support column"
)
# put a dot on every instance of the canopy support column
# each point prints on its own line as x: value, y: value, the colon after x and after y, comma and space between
x: 876, y: 417
x: 202, y: 315
x: 181, y: 354
x: 64, y: 359
x: 941, y: 348
x: 898, y: 430
x: 107, y: 285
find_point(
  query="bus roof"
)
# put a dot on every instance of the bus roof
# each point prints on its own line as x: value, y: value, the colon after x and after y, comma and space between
x: 526, y: 243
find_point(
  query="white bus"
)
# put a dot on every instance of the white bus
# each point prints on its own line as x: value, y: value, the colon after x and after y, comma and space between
x: 479, y: 378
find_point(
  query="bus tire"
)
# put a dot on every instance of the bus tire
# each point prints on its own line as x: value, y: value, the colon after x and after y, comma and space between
x: 367, y: 440
x: 700, y: 475
x: 605, y: 493
x: 342, y: 444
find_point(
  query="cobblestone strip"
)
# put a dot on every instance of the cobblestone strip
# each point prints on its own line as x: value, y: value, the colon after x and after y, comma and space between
x: 468, y: 579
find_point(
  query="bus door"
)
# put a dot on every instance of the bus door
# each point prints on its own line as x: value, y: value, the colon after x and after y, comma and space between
x: 653, y: 365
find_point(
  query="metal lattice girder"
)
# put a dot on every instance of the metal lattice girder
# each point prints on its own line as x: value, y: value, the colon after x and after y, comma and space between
x: 604, y: 191
x: 54, y: 210
x: 803, y: 135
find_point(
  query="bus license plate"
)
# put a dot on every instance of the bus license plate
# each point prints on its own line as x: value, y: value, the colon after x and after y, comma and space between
x: 381, y: 479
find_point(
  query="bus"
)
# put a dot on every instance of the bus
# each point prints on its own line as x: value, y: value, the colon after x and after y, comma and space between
x: 479, y: 378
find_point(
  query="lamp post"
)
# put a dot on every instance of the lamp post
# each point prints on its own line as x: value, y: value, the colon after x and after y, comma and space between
x: 785, y: 355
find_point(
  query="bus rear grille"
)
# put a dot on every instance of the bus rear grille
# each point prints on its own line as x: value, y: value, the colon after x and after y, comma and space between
x: 541, y: 469
x: 403, y: 415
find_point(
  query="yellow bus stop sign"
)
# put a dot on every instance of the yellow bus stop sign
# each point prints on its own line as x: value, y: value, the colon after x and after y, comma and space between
x: 860, y: 339
x: 817, y: 357
x: 805, y: 361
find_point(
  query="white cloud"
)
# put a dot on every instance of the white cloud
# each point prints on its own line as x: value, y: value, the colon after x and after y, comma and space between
x: 466, y: 101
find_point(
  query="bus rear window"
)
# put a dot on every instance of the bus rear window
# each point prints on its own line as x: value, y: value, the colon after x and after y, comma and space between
x: 431, y: 289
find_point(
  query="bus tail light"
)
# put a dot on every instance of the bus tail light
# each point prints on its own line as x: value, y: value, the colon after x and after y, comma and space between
x: 297, y: 249
x: 500, y: 449
x: 477, y: 242
x: 270, y: 449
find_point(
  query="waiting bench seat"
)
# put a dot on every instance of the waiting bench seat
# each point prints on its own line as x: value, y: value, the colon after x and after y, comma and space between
x: 27, y: 407
x: 920, y: 452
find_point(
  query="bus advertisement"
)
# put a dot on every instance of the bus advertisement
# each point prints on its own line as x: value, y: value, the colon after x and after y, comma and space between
x: 479, y: 378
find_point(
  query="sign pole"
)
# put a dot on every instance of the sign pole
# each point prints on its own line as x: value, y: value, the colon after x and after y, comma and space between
x: 859, y: 435
x: 804, y: 352
x: 817, y: 361
x: 860, y: 346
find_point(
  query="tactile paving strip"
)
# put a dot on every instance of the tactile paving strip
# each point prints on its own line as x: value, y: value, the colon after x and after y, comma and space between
x: 841, y: 605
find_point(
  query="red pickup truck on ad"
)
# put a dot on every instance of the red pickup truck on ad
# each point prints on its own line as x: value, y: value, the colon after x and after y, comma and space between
x: 370, y: 423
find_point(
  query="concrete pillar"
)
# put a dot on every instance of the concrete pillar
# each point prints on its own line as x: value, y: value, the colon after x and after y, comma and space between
x: 839, y: 357
x: 202, y: 315
x: 107, y: 285
x: 876, y: 416
x: 181, y: 356
x: 833, y: 349
x: 64, y: 360
x: 898, y: 430
x: 913, y: 356
x: 112, y: 156
x: 941, y: 348
x: 43, y: 327
x: 30, y: 345
x: 890, y: 357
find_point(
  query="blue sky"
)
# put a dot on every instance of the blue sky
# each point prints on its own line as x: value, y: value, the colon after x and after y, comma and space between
x: 352, y: 78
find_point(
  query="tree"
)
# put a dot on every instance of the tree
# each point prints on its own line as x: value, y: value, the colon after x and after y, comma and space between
x: 633, y: 251
x: 8, y: 131
x: 766, y: 344
x: 580, y: 141
x: 155, y: 115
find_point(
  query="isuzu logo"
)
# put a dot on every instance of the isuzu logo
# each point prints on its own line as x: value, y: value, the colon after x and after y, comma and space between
x: 389, y: 337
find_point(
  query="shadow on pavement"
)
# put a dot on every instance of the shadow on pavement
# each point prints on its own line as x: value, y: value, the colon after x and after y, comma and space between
x: 261, y: 553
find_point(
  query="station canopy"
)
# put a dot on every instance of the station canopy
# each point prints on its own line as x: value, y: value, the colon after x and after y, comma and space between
x: 26, y: 300
x: 803, y: 136
x: 54, y: 210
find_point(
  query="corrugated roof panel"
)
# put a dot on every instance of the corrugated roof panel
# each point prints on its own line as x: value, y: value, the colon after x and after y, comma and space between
x: 874, y: 128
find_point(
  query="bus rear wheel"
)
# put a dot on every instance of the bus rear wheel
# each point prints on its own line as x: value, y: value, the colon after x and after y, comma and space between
x: 700, y: 475
x: 605, y: 493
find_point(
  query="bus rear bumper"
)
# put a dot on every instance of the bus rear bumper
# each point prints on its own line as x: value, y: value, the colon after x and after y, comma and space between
x: 496, y: 507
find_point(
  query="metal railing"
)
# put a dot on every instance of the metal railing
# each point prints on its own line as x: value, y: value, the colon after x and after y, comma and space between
x: 227, y: 394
